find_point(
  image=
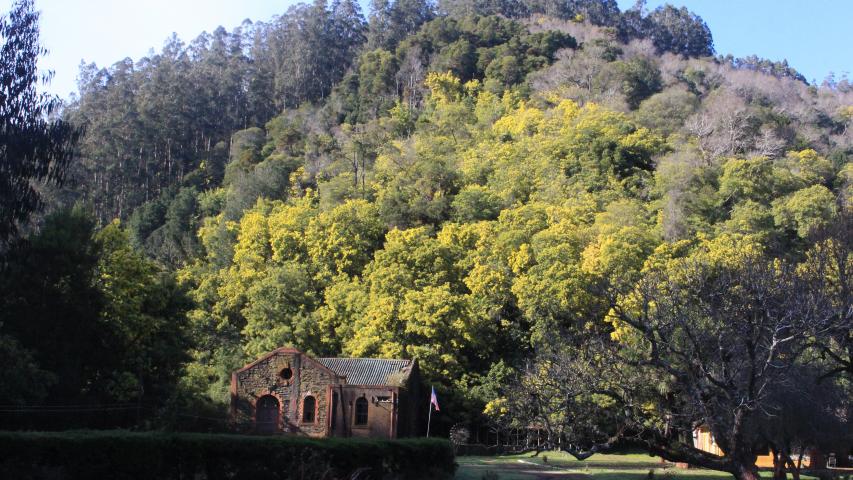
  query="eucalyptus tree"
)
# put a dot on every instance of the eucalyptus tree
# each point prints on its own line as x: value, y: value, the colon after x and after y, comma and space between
x: 393, y: 21
x: 34, y: 147
x: 680, y: 31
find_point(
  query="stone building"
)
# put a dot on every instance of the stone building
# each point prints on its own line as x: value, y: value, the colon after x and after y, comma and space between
x: 289, y: 392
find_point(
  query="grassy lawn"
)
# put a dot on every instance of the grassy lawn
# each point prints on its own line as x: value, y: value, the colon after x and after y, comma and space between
x: 632, y: 466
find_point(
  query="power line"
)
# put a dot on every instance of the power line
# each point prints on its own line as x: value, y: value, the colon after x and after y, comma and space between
x: 70, y: 409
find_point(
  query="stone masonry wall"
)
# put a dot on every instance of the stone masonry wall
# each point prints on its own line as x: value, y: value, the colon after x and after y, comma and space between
x: 264, y: 378
x: 314, y: 380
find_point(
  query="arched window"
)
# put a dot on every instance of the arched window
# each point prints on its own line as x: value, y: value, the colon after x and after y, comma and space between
x: 309, y: 405
x: 361, y: 411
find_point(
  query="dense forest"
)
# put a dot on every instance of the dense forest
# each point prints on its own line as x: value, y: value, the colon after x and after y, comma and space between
x: 476, y: 184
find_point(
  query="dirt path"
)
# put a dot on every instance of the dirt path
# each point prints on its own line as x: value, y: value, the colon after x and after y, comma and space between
x: 539, y: 472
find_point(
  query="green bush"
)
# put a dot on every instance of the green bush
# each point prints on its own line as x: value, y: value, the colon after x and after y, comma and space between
x: 126, y: 455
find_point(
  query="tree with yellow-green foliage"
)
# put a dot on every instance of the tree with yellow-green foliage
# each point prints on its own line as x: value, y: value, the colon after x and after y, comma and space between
x: 712, y: 333
x: 491, y: 228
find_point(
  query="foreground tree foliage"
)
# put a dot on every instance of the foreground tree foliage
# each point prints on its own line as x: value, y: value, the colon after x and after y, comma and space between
x: 33, y: 148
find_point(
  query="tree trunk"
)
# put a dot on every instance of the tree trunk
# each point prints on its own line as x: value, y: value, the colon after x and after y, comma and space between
x: 779, y: 466
x: 746, y: 471
x: 795, y: 466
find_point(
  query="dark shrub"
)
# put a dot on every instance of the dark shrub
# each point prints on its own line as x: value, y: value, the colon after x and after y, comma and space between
x: 125, y: 455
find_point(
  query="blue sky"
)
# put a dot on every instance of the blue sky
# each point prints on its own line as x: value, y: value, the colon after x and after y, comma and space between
x: 815, y: 36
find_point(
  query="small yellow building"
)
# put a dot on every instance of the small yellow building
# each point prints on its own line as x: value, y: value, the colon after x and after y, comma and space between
x: 704, y: 440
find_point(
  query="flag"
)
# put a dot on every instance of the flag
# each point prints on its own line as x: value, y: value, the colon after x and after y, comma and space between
x: 434, y: 400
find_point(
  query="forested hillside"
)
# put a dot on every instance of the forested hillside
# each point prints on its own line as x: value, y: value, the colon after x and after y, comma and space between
x: 455, y: 183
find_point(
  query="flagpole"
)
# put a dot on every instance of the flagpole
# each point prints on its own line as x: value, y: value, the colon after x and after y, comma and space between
x: 433, y: 402
x: 429, y: 417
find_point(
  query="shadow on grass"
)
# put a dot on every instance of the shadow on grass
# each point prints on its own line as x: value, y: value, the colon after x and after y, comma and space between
x: 631, y: 466
x: 659, y: 475
x: 611, y: 467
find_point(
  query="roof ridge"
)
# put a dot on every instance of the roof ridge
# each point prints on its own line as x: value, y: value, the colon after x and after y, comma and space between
x: 365, y: 358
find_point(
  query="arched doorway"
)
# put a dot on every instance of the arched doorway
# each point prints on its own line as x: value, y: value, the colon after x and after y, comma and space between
x: 267, y: 415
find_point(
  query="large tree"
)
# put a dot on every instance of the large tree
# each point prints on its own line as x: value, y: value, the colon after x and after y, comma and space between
x: 712, y: 339
x: 33, y: 147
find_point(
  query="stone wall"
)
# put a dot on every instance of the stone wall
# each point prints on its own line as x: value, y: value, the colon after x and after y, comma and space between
x: 316, y: 381
x: 264, y: 377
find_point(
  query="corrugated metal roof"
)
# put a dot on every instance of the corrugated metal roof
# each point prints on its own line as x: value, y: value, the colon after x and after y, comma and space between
x: 365, y: 371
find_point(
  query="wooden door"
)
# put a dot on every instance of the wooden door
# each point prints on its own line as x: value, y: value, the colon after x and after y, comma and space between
x: 267, y: 415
